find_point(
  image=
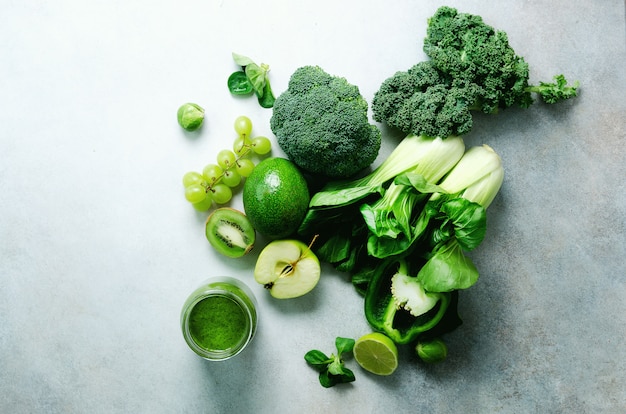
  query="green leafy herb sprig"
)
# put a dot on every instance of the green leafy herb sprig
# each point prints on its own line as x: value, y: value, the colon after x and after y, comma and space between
x: 251, y: 78
x: 332, y: 368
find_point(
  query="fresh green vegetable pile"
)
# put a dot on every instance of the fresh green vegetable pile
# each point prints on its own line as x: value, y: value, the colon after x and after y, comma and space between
x: 403, y: 232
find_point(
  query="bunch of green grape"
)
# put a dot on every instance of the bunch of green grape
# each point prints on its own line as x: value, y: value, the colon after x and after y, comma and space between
x: 217, y: 181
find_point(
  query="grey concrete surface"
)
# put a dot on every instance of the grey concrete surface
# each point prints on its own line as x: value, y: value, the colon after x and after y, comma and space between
x: 99, y: 249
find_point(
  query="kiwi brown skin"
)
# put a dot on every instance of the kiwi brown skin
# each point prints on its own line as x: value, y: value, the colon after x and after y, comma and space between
x: 230, y: 232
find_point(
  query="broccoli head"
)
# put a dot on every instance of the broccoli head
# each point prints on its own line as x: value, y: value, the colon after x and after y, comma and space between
x: 471, y: 67
x: 464, y: 47
x: 321, y: 124
x: 425, y: 101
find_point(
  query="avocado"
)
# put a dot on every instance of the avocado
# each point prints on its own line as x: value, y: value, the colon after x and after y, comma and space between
x: 276, y: 198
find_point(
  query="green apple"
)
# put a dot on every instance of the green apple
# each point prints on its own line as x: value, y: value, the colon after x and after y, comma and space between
x: 287, y: 268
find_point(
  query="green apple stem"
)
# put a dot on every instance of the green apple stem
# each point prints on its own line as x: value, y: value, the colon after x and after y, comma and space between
x: 313, y: 241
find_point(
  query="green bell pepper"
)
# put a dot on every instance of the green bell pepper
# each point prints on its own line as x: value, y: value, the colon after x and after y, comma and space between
x: 397, y: 305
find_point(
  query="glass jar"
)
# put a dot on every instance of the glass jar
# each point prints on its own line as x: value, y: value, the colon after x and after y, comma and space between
x: 219, y: 318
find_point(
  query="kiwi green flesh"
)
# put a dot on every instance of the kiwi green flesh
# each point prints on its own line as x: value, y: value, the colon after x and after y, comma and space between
x: 230, y: 232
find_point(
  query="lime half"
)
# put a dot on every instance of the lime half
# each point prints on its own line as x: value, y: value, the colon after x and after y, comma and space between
x: 376, y: 353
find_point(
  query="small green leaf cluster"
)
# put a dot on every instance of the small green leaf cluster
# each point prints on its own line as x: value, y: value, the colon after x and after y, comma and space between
x: 251, y: 78
x: 332, y: 369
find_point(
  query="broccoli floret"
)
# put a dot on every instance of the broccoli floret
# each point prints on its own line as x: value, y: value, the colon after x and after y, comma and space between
x: 423, y: 100
x: 471, y: 67
x: 321, y: 124
x: 472, y: 52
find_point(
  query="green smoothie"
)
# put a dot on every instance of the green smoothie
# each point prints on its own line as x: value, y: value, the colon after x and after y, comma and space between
x: 218, y: 323
x: 219, y: 318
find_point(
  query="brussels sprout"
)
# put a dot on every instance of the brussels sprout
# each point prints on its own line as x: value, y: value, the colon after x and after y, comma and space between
x: 190, y: 116
x: 432, y: 351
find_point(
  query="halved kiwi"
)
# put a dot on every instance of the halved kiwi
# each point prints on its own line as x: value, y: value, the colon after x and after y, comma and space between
x: 230, y: 232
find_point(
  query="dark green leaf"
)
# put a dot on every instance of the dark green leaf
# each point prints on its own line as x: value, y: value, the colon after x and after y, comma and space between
x: 347, y: 376
x: 317, y: 359
x: 267, y: 99
x: 344, y: 345
x: 238, y: 84
x: 383, y: 247
x: 336, y: 249
x: 337, y: 197
x: 328, y: 380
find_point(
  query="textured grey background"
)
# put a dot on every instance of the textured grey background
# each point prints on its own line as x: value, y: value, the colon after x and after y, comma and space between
x: 98, y: 248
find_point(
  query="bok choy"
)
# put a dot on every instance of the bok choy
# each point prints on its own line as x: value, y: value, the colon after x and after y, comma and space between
x: 456, y: 220
x: 334, y: 213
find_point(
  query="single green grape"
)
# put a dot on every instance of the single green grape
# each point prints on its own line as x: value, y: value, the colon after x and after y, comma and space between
x: 205, y: 204
x: 226, y: 159
x: 221, y: 193
x: 192, y: 177
x: 245, y: 167
x: 231, y: 178
x: 261, y: 145
x: 241, y: 145
x: 212, y: 173
x: 243, y: 125
x: 195, y: 193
